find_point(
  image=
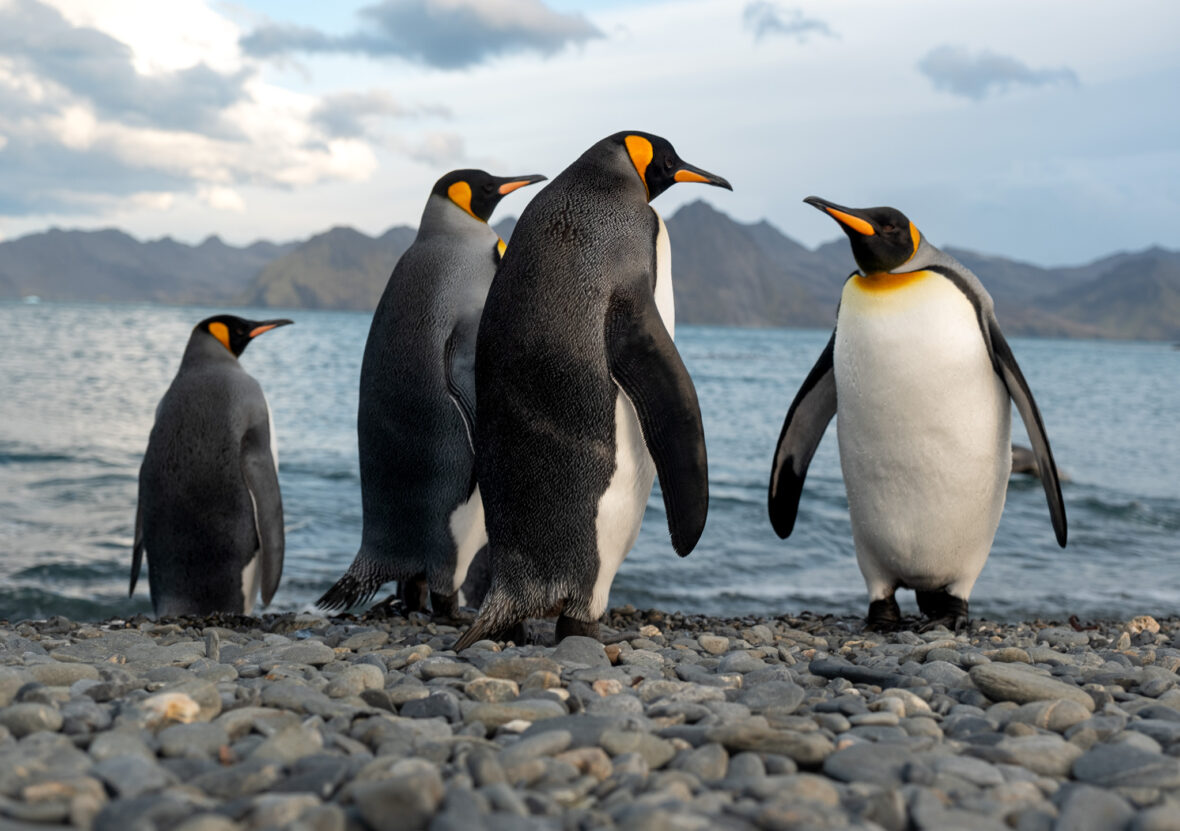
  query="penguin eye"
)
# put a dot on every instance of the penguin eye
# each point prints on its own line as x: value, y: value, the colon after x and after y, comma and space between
x: 888, y: 229
x: 669, y: 163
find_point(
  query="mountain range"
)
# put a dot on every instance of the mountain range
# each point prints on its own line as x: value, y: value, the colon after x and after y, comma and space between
x: 726, y: 272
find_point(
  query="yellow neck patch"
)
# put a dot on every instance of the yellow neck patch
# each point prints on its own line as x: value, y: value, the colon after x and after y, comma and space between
x: 641, y: 153
x: 501, y: 246
x: 886, y: 281
x: 460, y: 194
x: 221, y: 332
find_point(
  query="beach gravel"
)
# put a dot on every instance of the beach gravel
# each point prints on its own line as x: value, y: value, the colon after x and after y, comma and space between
x: 673, y: 721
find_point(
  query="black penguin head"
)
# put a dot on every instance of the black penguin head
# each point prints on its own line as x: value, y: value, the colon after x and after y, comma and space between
x: 883, y: 239
x: 235, y: 333
x: 658, y: 165
x: 478, y: 192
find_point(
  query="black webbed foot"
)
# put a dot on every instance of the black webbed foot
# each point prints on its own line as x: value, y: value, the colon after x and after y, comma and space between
x: 884, y: 615
x: 413, y: 593
x: 942, y: 608
x: 567, y: 626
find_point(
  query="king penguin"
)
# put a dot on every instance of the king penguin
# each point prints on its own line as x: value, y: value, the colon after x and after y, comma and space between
x: 924, y: 380
x: 583, y: 397
x: 423, y: 521
x: 210, y: 516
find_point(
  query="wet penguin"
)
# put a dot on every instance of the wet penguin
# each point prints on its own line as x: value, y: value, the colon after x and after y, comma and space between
x: 924, y: 379
x: 210, y: 516
x: 583, y: 397
x: 422, y: 517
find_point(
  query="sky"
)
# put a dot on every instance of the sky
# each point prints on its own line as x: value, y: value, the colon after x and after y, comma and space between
x: 1045, y: 131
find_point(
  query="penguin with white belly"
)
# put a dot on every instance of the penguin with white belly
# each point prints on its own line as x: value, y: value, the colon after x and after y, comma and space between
x: 921, y: 382
x: 423, y: 521
x: 582, y: 395
x: 210, y: 515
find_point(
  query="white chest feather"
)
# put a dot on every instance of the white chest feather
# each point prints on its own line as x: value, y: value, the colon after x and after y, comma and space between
x: 469, y: 534
x: 665, y: 301
x: 621, y: 507
x: 924, y: 429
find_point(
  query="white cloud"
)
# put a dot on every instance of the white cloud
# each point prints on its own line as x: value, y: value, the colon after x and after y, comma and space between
x: 75, y: 126
x: 221, y: 198
x: 122, y: 97
x: 163, y: 36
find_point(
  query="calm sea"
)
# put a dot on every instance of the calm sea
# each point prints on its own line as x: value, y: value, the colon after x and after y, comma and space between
x: 79, y: 385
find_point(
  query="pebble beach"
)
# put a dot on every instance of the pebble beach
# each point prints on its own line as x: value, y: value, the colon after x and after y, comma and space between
x: 674, y: 722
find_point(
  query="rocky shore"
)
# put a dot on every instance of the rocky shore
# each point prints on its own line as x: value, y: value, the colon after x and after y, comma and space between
x: 678, y: 722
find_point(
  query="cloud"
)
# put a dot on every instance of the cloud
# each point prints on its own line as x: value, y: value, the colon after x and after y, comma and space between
x: 955, y: 70
x: 94, y: 66
x: 87, y: 123
x: 445, y: 34
x: 352, y: 114
x: 767, y: 18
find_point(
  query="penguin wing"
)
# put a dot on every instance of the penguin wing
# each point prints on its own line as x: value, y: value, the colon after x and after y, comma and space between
x: 804, y: 427
x: 136, y: 549
x: 459, y: 366
x: 1009, y: 371
x: 262, y: 481
x: 644, y: 362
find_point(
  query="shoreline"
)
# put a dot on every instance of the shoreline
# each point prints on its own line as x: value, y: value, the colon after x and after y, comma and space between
x: 674, y: 721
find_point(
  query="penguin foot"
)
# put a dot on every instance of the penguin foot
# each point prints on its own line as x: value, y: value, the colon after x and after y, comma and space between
x: 392, y: 606
x: 413, y: 593
x: 443, y: 606
x: 567, y: 626
x: 942, y: 609
x: 884, y: 615
x: 518, y: 633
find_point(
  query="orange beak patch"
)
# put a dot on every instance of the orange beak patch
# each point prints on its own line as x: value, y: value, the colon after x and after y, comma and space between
x: 854, y: 222
x: 258, y: 330
x: 690, y: 176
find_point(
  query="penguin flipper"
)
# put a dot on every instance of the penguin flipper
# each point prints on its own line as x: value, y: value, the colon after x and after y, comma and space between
x: 644, y: 362
x: 136, y: 550
x: 262, y: 480
x: 459, y: 367
x: 1009, y: 371
x: 803, y: 428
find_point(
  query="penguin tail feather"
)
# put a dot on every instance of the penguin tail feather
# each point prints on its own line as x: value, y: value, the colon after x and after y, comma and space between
x: 348, y: 592
x: 497, y: 614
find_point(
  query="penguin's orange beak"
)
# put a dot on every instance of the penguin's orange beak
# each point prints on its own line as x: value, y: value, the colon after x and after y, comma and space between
x: 848, y: 217
x: 267, y: 325
x: 507, y: 187
x: 692, y: 173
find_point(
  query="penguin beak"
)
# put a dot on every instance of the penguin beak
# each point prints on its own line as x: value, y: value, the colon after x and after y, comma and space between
x: 266, y: 325
x: 850, y: 218
x: 512, y: 183
x: 692, y: 173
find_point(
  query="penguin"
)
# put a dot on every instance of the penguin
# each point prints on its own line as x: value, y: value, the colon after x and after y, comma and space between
x: 924, y: 380
x: 582, y: 395
x: 423, y: 520
x: 210, y: 515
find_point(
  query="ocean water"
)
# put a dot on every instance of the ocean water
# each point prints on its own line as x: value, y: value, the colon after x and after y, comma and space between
x: 79, y: 385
